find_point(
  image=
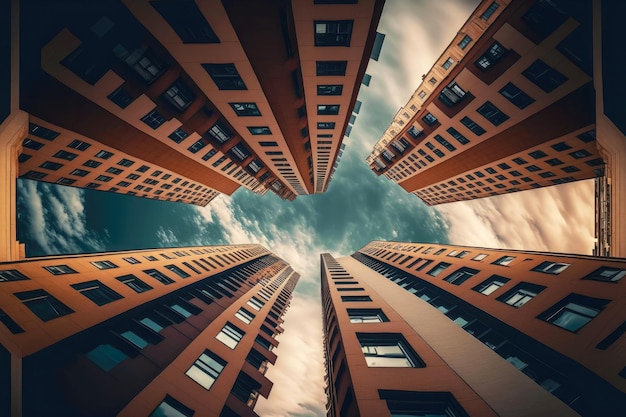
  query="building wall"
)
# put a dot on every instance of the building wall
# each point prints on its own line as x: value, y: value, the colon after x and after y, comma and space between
x: 511, y: 112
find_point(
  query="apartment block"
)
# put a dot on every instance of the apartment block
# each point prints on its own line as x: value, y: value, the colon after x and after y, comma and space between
x: 508, y: 106
x: 158, y: 332
x: 220, y: 94
x: 415, y: 329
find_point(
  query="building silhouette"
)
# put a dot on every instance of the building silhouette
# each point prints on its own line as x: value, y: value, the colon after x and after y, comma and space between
x: 174, y: 331
x: 431, y: 329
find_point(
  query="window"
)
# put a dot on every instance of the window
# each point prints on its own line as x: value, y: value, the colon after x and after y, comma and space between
x: 422, y: 404
x: 245, y: 109
x: 197, y: 145
x: 172, y: 408
x: 244, y: 315
x: 493, y: 55
x: 97, y: 292
x: 106, y: 356
x: 574, y: 311
x: 10, y: 324
x: 490, y: 11
x: 438, y: 269
x: 259, y: 130
x: 473, y: 126
x: 504, y: 260
x: 369, y: 315
x: 464, y: 42
x: 325, y: 125
x: 175, y: 269
x: 43, y: 305
x: 159, y: 276
x: 448, y: 63
x: 460, y: 276
x: 333, y: 32
x: 115, y: 171
x: 219, y: 132
x: 327, y: 109
x: 429, y: 119
x: 255, y: 303
x: 57, y: 270
x: 154, y: 119
x: 52, y: 166
x: 329, y: 68
x: 451, y: 94
x: 134, y: 283
x: 32, y: 144
x: 548, y: 267
x: 604, y: 273
x: 492, y: 113
x: 388, y: 350
x: 516, y: 96
x: 225, y: 76
x: 355, y: 298
x: 521, y: 294
x: 543, y: 76
x: 13, y: 275
x: 491, y: 284
x: 121, y: 97
x: 583, y: 153
x: 179, y: 95
x: 186, y: 19
x: 206, y: 369
x: 86, y: 63
x: 445, y: 143
x: 230, y: 335
x: 330, y: 90
x: 246, y: 389
x: 104, y: 264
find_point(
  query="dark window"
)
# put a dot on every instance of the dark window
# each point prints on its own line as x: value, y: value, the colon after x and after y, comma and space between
x: 327, y: 68
x: 464, y: 42
x: 533, y: 168
x: 88, y: 64
x: 143, y: 168
x: 172, y: 408
x: 445, y: 143
x: 197, y: 145
x: 147, y: 66
x: 414, y: 132
x: 516, y: 96
x: 79, y: 145
x: 328, y: 109
x: 544, y: 17
x: 106, y: 356
x: 554, y: 162
x: 187, y: 20
x: 79, y: 172
x: 333, y: 32
x: 43, y: 305
x: 115, y: 171
x: 574, y: 311
x: 429, y: 119
x: 366, y: 315
x: 240, y: 151
x: 490, y: 11
x: 493, y: 55
x: 42, y: 132
x: 607, y: 274
x: 246, y: 389
x: 521, y: 294
x: 225, y: 76
x: 583, y: 153
x: 178, y: 135
x: 587, y: 136
x: 121, y: 97
x: 461, y: 275
x: 388, y: 350
x: 439, y: 268
x: 544, y: 76
x: 473, y: 126
x: 219, y: 132
x: 58, y: 269
x: 325, y: 125
x: 353, y: 298
x: 10, y: 323
x: 154, y: 119
x: 492, y: 113
x: 23, y: 157
x: 245, y: 109
x: 330, y: 90
x: 12, y: 275
x: 53, y: 166
x: 520, y: 161
x: 175, y: 269
x: 32, y: 144
x: 422, y: 404
x: 179, y: 95
x: 259, y: 130
x: 134, y: 283
x: 538, y: 154
x: 159, y: 276
x: 97, y: 292
x: 451, y: 94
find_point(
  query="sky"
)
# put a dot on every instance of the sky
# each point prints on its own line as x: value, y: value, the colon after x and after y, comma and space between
x: 357, y: 208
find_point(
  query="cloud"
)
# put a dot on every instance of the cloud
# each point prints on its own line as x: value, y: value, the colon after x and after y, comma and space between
x: 56, y: 219
x: 555, y: 219
x: 167, y: 238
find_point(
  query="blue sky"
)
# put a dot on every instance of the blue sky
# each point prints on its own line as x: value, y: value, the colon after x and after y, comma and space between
x: 357, y: 208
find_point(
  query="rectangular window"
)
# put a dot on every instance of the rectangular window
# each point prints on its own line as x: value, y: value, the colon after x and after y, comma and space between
x: 388, y: 350
x: 172, y: 408
x: 521, y: 294
x: 461, y: 275
x: 32, y: 144
x: 504, y: 260
x: 86, y: 63
x: 473, y: 126
x: 13, y: 275
x: 327, y: 109
x: 230, y: 335
x: 451, y: 94
x: 69, y: 156
x: 154, y: 119
x: 493, y: 55
x: 448, y: 63
x: 464, y: 42
x: 491, y: 284
x: 259, y: 130
x: 429, y: 119
x: 422, y: 404
x: 10, y: 324
x: 186, y: 19
x: 325, y: 125
x: 246, y: 389
x: 574, y: 311
x: 543, y: 76
x: 255, y: 303
x: 97, y: 292
x: 104, y: 264
x: 52, y: 166
x: 106, y: 356
x: 368, y: 315
x: 490, y: 11
x: 58, y: 270
x: 245, y: 109
x: 197, y: 145
x: 439, y: 268
x: 330, y: 68
x: 159, y: 276
x: 333, y: 32
x: 179, y: 95
x: 134, y: 283
x: 220, y: 132
x: 121, y: 97
x: 604, y: 273
x: 355, y: 298
x: 548, y: 267
x: 516, y: 96
x: 445, y: 143
x: 43, y: 305
x: 175, y: 269
x: 225, y: 76
x: 330, y: 90
x: 244, y: 315
x: 206, y: 369
x: 492, y: 113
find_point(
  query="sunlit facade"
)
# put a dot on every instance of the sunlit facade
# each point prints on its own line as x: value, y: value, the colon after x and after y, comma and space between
x: 416, y: 329
x: 159, y: 332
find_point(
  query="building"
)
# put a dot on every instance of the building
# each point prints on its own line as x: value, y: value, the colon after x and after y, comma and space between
x: 176, y: 332
x: 141, y: 97
x: 508, y: 106
x: 441, y: 330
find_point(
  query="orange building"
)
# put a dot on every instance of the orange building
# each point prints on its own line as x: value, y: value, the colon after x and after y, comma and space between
x: 173, y: 331
x: 415, y: 329
x: 508, y: 106
x: 139, y: 97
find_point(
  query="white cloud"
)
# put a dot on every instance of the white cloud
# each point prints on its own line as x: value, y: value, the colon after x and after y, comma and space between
x: 167, y: 238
